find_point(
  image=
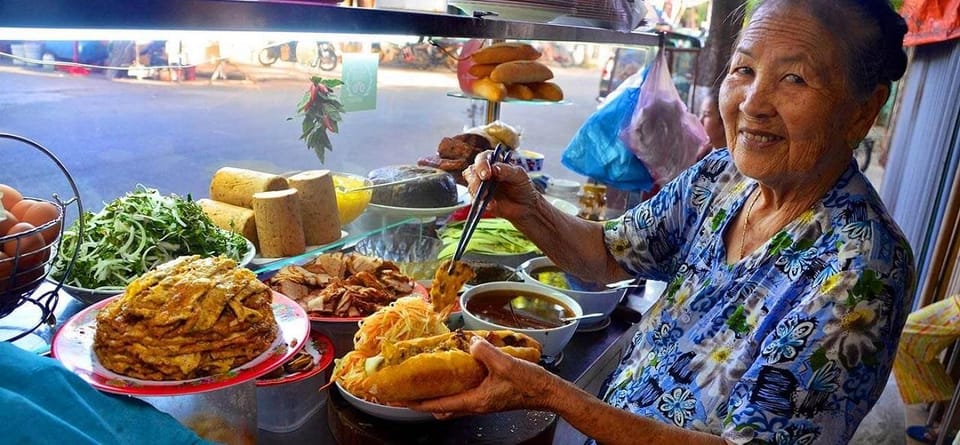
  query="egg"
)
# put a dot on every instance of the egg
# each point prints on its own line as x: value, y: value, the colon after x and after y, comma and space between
x: 29, y: 245
x: 40, y: 213
x: 10, y: 196
x: 6, y: 224
x: 20, y: 208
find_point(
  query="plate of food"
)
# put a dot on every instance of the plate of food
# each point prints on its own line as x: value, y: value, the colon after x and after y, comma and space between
x: 134, y: 233
x: 386, y: 412
x: 342, y: 287
x: 315, y: 357
x: 142, y: 344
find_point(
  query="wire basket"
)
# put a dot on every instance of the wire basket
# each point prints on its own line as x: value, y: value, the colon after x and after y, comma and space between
x: 27, y: 255
x: 27, y: 259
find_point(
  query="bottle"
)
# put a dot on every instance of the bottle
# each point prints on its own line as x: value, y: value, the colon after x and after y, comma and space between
x: 593, y: 201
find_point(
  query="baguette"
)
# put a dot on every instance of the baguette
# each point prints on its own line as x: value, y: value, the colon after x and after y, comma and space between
x: 547, y: 91
x: 505, y: 52
x: 519, y: 91
x: 489, y: 90
x: 482, y: 70
x: 437, y: 366
x: 521, y: 71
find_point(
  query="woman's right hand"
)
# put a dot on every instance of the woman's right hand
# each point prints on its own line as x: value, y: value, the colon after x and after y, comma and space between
x: 515, y: 194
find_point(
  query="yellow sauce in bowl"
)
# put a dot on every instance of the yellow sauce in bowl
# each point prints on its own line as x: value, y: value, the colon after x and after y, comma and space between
x: 351, y: 204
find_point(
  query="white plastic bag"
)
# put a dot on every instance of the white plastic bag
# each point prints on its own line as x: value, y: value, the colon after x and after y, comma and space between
x: 661, y: 132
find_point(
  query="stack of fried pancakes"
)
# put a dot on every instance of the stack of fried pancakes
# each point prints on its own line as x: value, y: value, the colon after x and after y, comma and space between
x: 191, y: 317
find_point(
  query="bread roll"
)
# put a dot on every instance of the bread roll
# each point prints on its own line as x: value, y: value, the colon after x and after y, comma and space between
x: 505, y: 52
x: 519, y: 91
x: 318, y: 206
x: 237, y: 185
x: 489, y: 90
x: 547, y: 91
x: 482, y: 70
x: 440, y: 365
x: 230, y: 217
x: 521, y: 71
x: 278, y: 223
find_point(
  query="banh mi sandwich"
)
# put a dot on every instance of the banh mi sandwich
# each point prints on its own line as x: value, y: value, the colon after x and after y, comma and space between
x: 425, y: 368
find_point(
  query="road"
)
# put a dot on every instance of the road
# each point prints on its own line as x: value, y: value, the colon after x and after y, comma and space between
x: 113, y: 135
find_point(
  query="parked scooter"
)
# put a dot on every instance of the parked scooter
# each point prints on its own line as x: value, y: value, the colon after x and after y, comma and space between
x: 325, y: 57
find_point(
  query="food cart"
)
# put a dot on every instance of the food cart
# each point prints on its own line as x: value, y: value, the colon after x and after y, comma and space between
x: 588, y: 357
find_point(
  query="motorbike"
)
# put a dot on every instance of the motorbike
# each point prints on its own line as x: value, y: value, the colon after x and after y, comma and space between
x: 423, y: 54
x: 325, y: 57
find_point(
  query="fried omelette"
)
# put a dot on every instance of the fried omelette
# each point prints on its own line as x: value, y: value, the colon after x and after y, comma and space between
x: 191, y: 317
x: 447, y: 283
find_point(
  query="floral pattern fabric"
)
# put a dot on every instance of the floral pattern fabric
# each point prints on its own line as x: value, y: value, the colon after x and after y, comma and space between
x: 793, y: 344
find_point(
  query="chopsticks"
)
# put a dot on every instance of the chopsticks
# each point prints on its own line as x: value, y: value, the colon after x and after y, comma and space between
x: 484, y: 195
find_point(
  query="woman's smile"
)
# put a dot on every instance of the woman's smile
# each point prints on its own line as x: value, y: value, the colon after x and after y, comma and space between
x: 754, y: 139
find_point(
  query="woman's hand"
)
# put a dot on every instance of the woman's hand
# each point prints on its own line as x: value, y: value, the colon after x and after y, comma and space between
x: 515, y: 194
x: 511, y: 383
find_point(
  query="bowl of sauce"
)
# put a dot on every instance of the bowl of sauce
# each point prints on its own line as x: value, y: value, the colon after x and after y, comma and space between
x: 522, y: 307
x: 592, y: 297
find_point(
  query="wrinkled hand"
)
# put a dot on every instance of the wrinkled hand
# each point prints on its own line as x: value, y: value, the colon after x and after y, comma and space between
x: 515, y: 194
x: 511, y: 383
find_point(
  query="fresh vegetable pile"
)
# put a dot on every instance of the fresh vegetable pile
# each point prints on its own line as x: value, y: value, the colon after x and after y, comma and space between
x: 136, y: 232
x: 493, y: 236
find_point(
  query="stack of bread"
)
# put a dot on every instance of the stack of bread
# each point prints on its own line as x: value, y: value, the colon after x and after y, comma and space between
x: 510, y: 70
x: 281, y: 216
x: 456, y: 153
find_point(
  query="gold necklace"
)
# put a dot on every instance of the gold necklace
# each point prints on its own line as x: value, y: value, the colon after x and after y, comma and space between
x: 746, y: 222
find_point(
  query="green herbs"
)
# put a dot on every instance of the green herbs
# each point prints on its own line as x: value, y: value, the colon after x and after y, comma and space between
x: 322, y: 112
x: 137, y: 232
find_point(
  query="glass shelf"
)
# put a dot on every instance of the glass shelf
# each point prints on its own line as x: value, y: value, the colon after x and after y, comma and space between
x: 255, y: 16
x: 462, y: 95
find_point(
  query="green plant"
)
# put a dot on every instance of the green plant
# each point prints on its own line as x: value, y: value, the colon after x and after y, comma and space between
x: 322, y: 112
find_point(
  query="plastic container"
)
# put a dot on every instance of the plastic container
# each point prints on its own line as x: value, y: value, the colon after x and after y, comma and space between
x: 227, y: 415
x: 564, y: 189
x: 284, y: 404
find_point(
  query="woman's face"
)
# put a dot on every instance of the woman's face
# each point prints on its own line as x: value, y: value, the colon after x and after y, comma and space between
x: 787, y: 114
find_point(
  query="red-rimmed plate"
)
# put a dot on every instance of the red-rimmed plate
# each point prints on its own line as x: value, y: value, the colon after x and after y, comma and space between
x: 73, y: 346
x: 320, y: 349
x: 417, y: 289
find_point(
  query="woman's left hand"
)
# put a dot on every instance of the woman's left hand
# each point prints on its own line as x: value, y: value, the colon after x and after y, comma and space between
x: 511, y: 383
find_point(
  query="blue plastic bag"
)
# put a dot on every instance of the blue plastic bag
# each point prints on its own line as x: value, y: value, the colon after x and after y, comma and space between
x: 597, y: 151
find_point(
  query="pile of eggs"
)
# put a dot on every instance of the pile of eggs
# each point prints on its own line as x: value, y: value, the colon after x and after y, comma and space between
x: 22, y: 216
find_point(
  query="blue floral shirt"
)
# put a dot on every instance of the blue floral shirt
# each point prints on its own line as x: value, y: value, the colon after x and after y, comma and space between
x: 793, y: 344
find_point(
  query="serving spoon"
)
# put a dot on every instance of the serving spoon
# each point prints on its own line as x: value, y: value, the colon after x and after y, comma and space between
x: 624, y: 283
x: 581, y: 317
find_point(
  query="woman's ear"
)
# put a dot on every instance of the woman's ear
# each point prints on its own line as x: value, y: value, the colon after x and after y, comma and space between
x: 866, y: 115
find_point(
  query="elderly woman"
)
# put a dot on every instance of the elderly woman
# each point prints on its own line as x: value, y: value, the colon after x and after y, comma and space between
x: 789, y: 282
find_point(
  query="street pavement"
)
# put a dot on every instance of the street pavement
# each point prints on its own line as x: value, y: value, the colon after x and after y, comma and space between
x: 115, y: 134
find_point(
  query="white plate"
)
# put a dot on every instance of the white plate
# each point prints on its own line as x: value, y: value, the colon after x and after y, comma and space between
x: 394, y: 413
x: 258, y: 260
x: 463, y: 200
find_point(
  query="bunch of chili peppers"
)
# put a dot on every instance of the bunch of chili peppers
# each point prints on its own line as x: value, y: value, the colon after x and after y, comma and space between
x: 322, y: 112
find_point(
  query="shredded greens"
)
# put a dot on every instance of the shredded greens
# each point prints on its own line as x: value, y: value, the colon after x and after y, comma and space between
x: 136, y: 232
x: 493, y: 236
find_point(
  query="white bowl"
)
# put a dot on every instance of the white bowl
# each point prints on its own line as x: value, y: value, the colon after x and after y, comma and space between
x: 603, y: 301
x: 552, y: 340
